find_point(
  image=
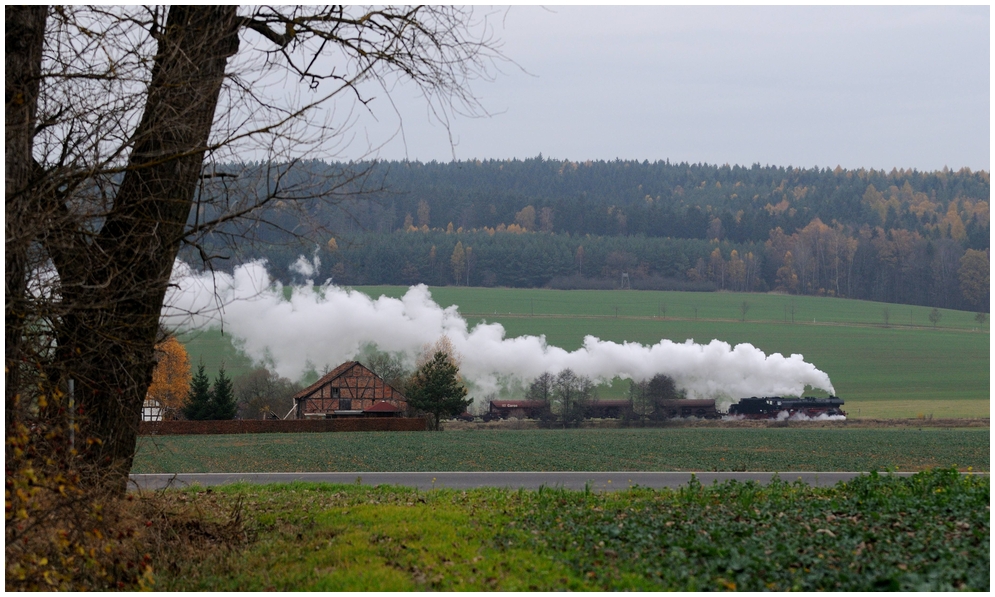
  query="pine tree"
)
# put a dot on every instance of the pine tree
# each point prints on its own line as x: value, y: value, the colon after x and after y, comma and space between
x: 437, y: 389
x: 198, y: 404
x: 223, y: 403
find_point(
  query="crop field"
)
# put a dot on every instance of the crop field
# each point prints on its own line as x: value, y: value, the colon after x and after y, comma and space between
x: 670, y: 449
x: 927, y: 532
x: 906, y: 369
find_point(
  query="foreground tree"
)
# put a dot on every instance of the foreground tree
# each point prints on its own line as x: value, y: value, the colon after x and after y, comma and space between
x: 111, y: 115
x: 436, y: 389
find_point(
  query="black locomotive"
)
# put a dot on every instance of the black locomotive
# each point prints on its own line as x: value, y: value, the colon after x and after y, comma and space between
x: 777, y: 407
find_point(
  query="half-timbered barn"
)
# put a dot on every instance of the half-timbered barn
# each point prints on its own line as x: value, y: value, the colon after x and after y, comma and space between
x: 350, y: 390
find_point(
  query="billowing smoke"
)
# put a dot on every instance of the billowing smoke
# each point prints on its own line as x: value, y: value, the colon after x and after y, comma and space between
x: 322, y: 326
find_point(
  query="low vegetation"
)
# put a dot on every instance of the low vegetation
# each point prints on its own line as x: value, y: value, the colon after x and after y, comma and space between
x: 927, y: 532
x: 680, y: 449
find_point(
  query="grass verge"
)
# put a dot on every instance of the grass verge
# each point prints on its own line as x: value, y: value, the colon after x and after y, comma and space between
x: 927, y: 532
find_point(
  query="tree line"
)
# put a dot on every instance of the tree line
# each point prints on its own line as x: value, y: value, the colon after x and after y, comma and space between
x: 895, y: 266
x: 658, y: 199
x: 903, y: 236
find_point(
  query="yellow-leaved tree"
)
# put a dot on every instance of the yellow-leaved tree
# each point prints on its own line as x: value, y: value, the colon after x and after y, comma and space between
x: 171, y: 377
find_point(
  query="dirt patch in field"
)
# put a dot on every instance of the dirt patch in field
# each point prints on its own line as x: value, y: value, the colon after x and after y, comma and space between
x: 748, y: 424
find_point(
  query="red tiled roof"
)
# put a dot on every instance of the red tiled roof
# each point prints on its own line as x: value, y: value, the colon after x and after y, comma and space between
x: 326, y: 378
x: 382, y: 407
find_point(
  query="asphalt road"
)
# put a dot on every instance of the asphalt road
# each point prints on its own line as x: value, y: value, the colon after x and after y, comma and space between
x: 596, y: 481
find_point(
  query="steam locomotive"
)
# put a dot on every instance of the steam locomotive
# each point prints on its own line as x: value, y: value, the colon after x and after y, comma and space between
x: 773, y: 407
x: 777, y: 407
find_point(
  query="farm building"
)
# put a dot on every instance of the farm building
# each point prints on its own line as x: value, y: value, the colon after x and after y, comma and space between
x: 349, y: 390
x: 152, y: 410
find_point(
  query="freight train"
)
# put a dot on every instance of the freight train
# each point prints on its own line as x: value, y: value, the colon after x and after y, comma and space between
x: 773, y: 407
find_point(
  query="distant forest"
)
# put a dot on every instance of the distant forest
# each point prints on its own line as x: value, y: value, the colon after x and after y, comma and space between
x: 902, y: 236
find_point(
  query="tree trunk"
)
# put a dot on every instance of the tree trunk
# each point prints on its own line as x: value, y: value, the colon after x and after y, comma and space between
x: 25, y: 35
x: 113, y: 287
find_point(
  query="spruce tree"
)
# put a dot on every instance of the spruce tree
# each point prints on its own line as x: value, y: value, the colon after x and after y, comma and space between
x: 223, y: 403
x: 198, y: 404
x: 437, y: 389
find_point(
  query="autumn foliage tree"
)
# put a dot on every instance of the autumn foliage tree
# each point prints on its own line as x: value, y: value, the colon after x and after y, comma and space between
x: 975, y: 282
x: 171, y: 377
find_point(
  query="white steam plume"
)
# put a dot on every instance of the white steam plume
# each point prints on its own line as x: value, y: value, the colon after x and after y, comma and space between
x: 328, y: 325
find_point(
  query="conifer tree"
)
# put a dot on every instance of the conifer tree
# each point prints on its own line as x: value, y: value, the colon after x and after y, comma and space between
x: 437, y: 389
x: 223, y: 403
x: 198, y: 403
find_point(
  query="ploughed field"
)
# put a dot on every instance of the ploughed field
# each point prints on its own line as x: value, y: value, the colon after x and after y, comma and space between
x: 926, y: 532
x: 905, y: 369
x: 660, y: 449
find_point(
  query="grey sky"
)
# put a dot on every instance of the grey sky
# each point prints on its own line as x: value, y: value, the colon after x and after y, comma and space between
x: 877, y: 87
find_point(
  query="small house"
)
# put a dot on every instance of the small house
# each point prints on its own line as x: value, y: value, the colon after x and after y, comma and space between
x: 349, y: 390
x: 152, y: 410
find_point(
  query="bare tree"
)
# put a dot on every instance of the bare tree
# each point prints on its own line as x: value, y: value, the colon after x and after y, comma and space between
x: 263, y: 393
x: 542, y: 389
x: 570, y: 395
x: 122, y: 125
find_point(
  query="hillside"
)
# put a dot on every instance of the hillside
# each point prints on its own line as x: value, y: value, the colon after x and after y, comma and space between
x: 903, y: 236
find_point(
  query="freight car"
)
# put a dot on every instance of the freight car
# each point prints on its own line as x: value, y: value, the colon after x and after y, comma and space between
x: 776, y: 407
x: 683, y: 409
x: 515, y: 409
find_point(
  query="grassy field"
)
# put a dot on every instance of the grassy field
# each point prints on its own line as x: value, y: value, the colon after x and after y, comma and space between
x: 928, y: 532
x: 719, y: 306
x: 670, y: 449
x: 904, y: 370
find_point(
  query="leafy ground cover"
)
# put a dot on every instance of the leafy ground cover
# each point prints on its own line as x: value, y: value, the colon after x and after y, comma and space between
x: 903, y: 370
x: 927, y: 532
x: 669, y: 449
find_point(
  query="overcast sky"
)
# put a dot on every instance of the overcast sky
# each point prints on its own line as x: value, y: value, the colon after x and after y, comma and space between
x: 874, y: 87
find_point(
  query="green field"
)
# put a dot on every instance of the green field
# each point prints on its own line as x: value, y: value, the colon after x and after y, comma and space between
x: 907, y: 369
x: 924, y: 533
x: 668, y: 449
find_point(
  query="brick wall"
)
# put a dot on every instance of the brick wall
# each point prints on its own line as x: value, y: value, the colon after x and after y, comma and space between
x: 289, y: 426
